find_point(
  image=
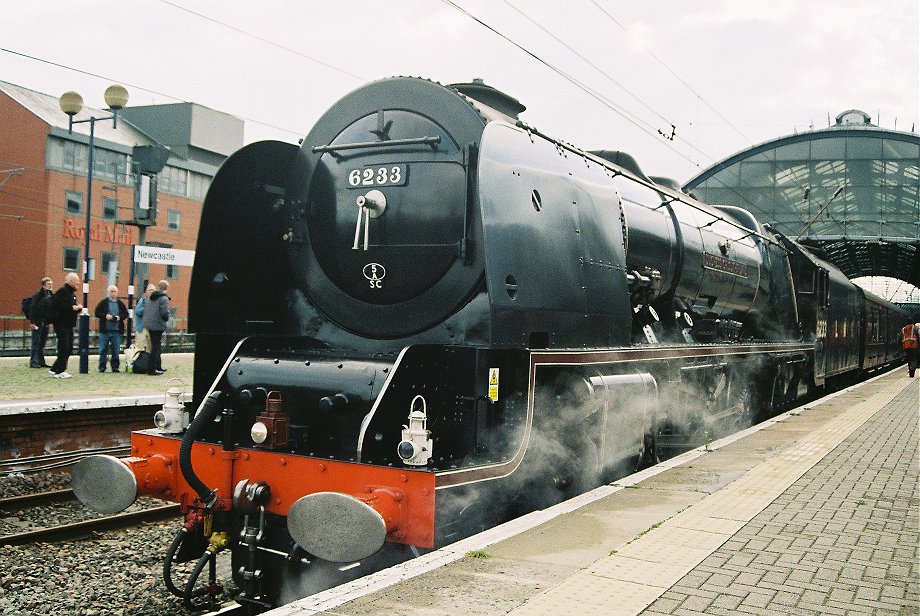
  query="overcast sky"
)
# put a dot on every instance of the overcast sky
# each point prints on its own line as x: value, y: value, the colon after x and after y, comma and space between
x: 726, y: 73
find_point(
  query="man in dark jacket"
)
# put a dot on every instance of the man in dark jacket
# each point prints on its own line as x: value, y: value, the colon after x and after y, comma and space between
x: 156, y: 314
x: 39, y: 310
x: 111, y: 313
x: 64, y: 311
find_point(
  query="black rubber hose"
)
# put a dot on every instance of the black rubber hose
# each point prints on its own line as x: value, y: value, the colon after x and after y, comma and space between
x: 190, y: 592
x: 167, y: 562
x: 207, y: 414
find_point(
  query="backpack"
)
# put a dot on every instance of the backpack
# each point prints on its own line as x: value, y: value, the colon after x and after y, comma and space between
x: 42, y: 310
x: 26, y: 305
x: 141, y: 363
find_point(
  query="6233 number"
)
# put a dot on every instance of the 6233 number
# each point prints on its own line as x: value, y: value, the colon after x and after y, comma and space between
x: 390, y: 175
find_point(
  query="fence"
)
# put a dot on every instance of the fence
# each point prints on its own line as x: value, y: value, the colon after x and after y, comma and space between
x: 16, y: 338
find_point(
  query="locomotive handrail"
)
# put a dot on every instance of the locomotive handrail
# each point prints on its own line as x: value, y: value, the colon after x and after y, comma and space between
x: 674, y: 195
x: 432, y: 141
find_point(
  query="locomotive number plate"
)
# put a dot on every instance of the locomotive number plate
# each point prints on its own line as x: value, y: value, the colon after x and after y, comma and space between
x: 380, y: 175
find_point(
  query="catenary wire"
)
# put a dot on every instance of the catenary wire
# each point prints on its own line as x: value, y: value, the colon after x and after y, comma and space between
x: 673, y: 72
x: 605, y: 101
x: 589, y: 62
x: 266, y: 41
x: 136, y: 87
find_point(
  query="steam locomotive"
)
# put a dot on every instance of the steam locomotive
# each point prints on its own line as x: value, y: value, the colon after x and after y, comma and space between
x: 430, y: 315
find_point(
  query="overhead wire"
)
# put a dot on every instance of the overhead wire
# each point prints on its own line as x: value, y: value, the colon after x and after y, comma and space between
x: 629, y: 116
x: 673, y: 72
x: 266, y: 41
x: 626, y: 114
x: 589, y: 62
x: 136, y: 87
x: 623, y: 112
x: 605, y: 101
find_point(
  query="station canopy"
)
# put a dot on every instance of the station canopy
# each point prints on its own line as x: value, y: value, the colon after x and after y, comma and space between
x: 851, y: 191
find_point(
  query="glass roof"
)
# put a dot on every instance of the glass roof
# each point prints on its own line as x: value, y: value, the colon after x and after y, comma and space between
x: 850, y: 191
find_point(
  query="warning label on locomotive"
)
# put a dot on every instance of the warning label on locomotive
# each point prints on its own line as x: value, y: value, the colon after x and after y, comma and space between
x: 493, y: 384
x: 727, y: 266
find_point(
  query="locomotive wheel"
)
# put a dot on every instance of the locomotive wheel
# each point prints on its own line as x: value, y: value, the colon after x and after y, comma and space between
x: 648, y: 456
x: 576, y: 472
x: 747, y: 408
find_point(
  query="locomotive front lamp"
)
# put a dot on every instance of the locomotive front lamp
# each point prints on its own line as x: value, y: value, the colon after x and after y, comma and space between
x: 258, y: 433
x: 71, y: 103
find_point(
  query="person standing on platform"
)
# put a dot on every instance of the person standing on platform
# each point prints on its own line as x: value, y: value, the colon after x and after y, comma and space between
x: 111, y: 313
x: 156, y: 314
x: 142, y: 340
x: 39, y: 314
x: 64, y: 311
x: 910, y: 342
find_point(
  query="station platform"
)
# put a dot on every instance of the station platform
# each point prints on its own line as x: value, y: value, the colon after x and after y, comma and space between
x: 27, y: 391
x: 815, y: 511
x: 41, y: 415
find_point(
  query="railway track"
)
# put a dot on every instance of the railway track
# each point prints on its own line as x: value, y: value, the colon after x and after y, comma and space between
x: 13, y: 503
x: 36, y: 464
x: 75, y: 530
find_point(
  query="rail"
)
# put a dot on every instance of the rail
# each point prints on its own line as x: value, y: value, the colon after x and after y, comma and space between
x: 16, y: 338
x: 13, y: 503
x: 75, y: 530
x: 53, y: 461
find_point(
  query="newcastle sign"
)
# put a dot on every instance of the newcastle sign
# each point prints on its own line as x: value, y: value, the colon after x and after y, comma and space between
x: 163, y: 256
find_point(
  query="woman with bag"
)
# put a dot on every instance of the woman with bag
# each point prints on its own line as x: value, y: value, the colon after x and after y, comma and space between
x: 156, y: 314
x: 142, y: 340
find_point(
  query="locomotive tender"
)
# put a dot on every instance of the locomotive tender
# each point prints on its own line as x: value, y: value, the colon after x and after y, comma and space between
x: 430, y: 314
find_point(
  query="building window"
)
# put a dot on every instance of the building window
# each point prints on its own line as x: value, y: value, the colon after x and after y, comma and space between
x: 198, y: 185
x: 110, y: 265
x: 173, y: 180
x: 73, y: 156
x: 172, y: 272
x: 110, y: 165
x: 109, y: 208
x: 172, y: 220
x: 71, y: 259
x: 74, y: 201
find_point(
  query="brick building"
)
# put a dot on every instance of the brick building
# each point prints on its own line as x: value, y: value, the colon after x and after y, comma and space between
x: 43, y: 170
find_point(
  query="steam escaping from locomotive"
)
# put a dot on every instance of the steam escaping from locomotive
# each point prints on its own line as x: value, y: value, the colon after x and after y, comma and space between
x: 430, y: 316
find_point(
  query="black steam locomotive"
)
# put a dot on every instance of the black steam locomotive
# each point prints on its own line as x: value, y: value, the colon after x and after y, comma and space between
x: 431, y: 315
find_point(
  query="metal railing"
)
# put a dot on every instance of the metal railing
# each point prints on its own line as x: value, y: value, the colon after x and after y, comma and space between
x: 16, y: 338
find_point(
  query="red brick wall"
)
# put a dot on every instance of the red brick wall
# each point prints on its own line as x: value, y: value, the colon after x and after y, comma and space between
x: 24, y: 215
x: 40, y: 434
x: 34, y: 246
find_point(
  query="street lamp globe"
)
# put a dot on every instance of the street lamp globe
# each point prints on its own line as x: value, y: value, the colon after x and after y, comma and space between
x: 116, y: 97
x: 71, y: 103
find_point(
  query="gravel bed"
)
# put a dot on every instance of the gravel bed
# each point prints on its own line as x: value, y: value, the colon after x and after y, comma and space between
x: 17, y: 484
x: 57, y: 514
x: 117, y: 573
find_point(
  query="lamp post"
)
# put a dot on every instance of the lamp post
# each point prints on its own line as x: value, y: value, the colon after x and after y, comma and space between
x: 116, y: 97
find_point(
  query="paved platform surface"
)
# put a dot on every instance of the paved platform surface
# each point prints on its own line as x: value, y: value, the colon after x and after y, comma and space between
x: 25, y: 390
x: 815, y: 512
